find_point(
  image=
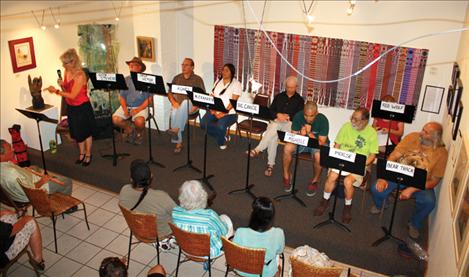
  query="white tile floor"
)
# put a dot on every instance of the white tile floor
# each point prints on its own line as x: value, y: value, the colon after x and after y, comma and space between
x: 80, y: 251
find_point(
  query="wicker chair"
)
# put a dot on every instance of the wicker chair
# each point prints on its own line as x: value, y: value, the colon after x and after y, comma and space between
x: 4, y: 270
x: 258, y: 127
x: 302, y: 269
x: 20, y: 207
x: 249, y: 260
x: 196, y: 247
x: 51, y: 205
x: 143, y: 227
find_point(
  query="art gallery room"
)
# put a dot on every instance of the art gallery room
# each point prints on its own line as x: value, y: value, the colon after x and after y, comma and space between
x: 234, y: 138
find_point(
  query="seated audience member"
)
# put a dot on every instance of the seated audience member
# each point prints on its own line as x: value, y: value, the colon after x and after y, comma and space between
x: 9, y: 172
x: 15, y: 235
x: 382, y: 127
x: 283, y: 108
x: 113, y: 267
x: 133, y: 105
x: 218, y: 122
x: 423, y: 150
x: 359, y: 137
x: 139, y: 197
x: 261, y: 234
x: 313, y: 124
x: 192, y: 215
x: 179, y: 102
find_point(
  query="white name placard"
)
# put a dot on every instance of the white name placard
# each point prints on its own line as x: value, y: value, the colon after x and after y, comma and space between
x: 400, y: 168
x: 180, y: 89
x: 392, y: 107
x: 247, y: 107
x: 199, y: 97
x: 296, y: 139
x: 342, y: 155
x: 146, y: 78
x: 108, y: 77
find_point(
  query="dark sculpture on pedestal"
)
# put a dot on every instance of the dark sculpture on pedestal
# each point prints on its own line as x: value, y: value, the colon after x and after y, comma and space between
x: 35, y: 89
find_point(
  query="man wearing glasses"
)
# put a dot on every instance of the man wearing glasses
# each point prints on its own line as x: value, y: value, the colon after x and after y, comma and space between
x: 179, y: 102
x: 359, y: 137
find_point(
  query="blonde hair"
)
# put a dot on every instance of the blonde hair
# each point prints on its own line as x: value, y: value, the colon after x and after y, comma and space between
x: 71, y: 55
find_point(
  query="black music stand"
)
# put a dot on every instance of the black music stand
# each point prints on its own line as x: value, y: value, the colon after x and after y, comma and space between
x: 356, y: 167
x: 100, y: 83
x: 417, y: 180
x: 152, y: 84
x: 312, y: 143
x: 262, y: 113
x: 216, y: 104
x: 379, y: 111
x: 39, y: 117
x: 188, y: 163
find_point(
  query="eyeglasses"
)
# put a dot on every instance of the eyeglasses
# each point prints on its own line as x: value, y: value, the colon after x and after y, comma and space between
x: 355, y: 119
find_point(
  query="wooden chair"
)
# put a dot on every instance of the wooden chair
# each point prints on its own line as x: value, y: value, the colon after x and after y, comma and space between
x: 143, y: 227
x: 258, y: 127
x: 302, y: 269
x: 249, y: 260
x: 51, y: 205
x: 20, y: 208
x: 4, y: 270
x: 195, y: 247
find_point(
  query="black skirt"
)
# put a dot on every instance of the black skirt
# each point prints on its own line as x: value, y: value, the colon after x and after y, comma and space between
x: 81, y: 121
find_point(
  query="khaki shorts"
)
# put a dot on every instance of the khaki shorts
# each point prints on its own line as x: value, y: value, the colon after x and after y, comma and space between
x: 358, y: 178
x: 120, y: 113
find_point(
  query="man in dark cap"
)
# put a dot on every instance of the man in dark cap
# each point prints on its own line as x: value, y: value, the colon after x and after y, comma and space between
x: 133, y: 105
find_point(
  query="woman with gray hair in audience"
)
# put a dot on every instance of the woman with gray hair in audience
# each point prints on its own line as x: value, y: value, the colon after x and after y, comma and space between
x: 192, y: 215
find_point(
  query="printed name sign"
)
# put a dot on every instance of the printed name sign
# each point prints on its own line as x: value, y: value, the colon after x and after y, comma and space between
x: 296, y: 139
x: 108, y: 77
x: 400, y: 168
x: 247, y: 107
x: 180, y: 89
x: 342, y: 155
x: 392, y: 107
x: 144, y: 78
x: 199, y: 97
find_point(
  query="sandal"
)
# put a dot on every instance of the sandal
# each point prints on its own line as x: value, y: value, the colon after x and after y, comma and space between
x: 178, y: 148
x: 39, y: 266
x: 253, y: 153
x: 268, y: 171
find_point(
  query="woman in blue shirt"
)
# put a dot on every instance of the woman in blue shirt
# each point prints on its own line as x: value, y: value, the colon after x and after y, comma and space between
x: 261, y: 234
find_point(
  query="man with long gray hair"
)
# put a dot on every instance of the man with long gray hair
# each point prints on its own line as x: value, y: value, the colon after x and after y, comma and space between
x: 425, y: 150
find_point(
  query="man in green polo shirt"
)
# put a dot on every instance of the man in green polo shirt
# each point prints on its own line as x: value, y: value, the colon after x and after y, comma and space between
x: 308, y: 122
x: 359, y: 137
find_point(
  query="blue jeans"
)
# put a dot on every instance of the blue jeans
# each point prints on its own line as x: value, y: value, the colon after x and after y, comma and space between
x: 217, y: 127
x: 425, y: 201
x: 179, y: 119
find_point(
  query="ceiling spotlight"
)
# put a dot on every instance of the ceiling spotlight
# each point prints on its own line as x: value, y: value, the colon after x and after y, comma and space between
x: 116, y: 19
x: 353, y: 2
x: 57, y: 25
x: 43, y: 27
x: 350, y: 10
x: 310, y: 18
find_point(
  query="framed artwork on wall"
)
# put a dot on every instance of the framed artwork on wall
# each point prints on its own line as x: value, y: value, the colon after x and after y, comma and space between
x: 22, y: 54
x: 432, y: 99
x: 457, y: 119
x: 146, y: 48
x: 455, y: 74
x: 461, y: 217
x: 449, y: 98
x: 462, y: 165
x: 456, y: 98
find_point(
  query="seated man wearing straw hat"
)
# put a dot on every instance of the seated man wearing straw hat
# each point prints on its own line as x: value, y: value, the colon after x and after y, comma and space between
x: 133, y: 105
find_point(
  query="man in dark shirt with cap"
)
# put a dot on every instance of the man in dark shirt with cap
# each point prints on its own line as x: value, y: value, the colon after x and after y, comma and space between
x: 283, y: 109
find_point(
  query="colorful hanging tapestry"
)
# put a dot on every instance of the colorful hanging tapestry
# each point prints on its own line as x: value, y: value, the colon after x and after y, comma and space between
x: 399, y: 73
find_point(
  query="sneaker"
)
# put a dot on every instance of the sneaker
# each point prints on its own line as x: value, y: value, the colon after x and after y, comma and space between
x: 287, y: 187
x: 228, y: 138
x: 138, y: 139
x: 413, y: 232
x: 206, y: 265
x: 311, y: 189
x: 321, y: 208
x: 223, y: 147
x: 374, y: 210
x: 347, y: 214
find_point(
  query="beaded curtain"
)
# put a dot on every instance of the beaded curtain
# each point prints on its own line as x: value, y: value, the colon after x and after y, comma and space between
x: 399, y: 73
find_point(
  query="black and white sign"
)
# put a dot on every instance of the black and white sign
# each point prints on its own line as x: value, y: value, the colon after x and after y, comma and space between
x: 108, y: 77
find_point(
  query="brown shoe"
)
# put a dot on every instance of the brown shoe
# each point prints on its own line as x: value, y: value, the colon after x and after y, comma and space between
x: 321, y: 208
x: 347, y: 214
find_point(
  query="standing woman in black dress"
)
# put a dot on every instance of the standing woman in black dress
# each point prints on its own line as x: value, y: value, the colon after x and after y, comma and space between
x: 74, y: 89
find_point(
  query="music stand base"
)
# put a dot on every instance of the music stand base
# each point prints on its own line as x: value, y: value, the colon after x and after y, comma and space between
x: 115, y: 157
x: 188, y: 165
x: 291, y: 195
x: 246, y: 190
x: 205, y: 181
x: 387, y: 235
x: 332, y: 220
x: 151, y: 161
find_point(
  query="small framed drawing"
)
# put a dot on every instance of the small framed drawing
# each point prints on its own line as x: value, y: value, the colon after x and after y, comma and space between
x: 461, y: 219
x: 457, y: 119
x: 146, y: 48
x: 456, y: 99
x: 449, y: 98
x: 432, y: 99
x: 455, y: 74
x: 22, y: 54
x: 462, y: 165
